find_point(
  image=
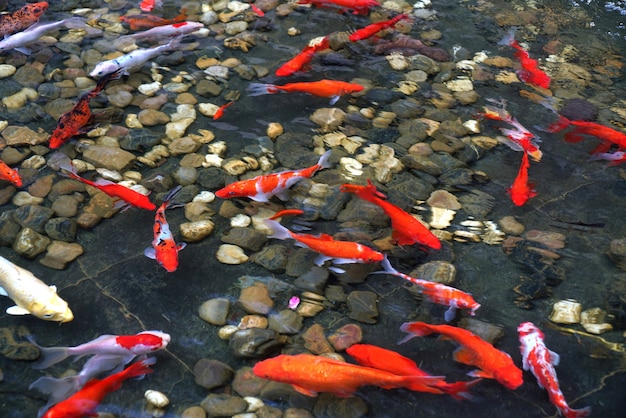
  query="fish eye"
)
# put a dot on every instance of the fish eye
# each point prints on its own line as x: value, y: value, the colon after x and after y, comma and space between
x: 48, y: 316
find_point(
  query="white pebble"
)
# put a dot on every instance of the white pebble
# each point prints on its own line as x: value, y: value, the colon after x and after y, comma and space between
x: 156, y: 398
x: 7, y: 70
x: 109, y: 174
x: 227, y: 331
x: 204, y: 196
x: 149, y: 89
x: 254, y: 404
x: 240, y: 220
x: 231, y: 254
x: 212, y: 160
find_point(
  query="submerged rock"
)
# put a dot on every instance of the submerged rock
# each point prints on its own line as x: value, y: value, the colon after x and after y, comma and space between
x: 254, y: 343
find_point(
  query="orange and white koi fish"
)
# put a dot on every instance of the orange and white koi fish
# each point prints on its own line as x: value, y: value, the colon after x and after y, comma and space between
x: 474, y: 351
x: 310, y: 375
x: 21, y: 19
x: 358, y: 7
x: 438, y: 293
x: 324, y: 88
x: 537, y: 358
x: 84, y: 402
x: 148, y: 5
x: 128, y: 196
x: 407, y: 230
x: 607, y: 135
x: 530, y: 71
x: 144, y: 21
x: 389, y: 361
x: 164, y: 249
x: 263, y: 188
x: 10, y: 174
x: 304, y: 57
x: 142, y: 343
x: 374, y: 28
x: 220, y: 110
x: 520, y: 191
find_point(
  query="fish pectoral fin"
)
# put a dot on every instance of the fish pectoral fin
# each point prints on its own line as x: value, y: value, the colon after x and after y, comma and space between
x: 480, y: 373
x: 304, y: 391
x: 554, y: 358
x: 3, y: 292
x: 321, y: 259
x: 336, y: 270
x: 17, y: 310
x: 150, y: 253
x: 180, y: 246
x: 333, y: 100
x: 465, y: 356
x: 24, y: 50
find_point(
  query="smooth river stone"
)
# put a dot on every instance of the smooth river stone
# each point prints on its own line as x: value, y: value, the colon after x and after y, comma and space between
x: 215, y: 311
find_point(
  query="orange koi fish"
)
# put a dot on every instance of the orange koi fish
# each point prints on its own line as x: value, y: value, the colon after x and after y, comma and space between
x: 374, y: 28
x: 530, y: 72
x: 78, y: 120
x: 164, y: 249
x: 10, y: 174
x: 144, y: 21
x: 438, y: 293
x: 493, y: 363
x: 520, y: 190
x: 148, y: 5
x: 310, y: 375
x: 262, y: 188
x: 85, y: 401
x: 286, y: 212
x: 358, y: 7
x: 406, y: 229
x: 256, y: 10
x: 392, y: 362
x: 607, y: 135
x: 220, y: 111
x: 304, y: 57
x: 323, y: 88
x: 540, y: 361
x: 22, y: 18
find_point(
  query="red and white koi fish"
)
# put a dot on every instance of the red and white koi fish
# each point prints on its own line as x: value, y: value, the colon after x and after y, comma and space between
x: 304, y: 57
x: 407, y: 230
x: 84, y: 402
x: 10, y: 174
x: 164, y: 249
x: 438, y: 293
x: 310, y: 375
x: 530, y: 71
x: 18, y: 40
x: 358, y: 7
x: 607, y: 135
x: 374, y: 28
x: 392, y: 362
x: 145, y: 21
x: 340, y: 252
x: 22, y: 18
x: 148, y: 5
x: 323, y: 88
x: 474, y: 351
x: 142, y: 343
x: 520, y: 191
x: 165, y: 31
x: 537, y: 358
x: 127, y: 195
x: 262, y: 188
x: 220, y: 110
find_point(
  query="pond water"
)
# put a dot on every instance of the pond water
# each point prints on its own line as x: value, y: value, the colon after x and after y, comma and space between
x: 114, y: 289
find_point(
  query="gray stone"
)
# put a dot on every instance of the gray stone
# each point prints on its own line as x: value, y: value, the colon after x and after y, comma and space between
x: 254, y: 343
x: 247, y: 238
x: 314, y: 280
x: 299, y: 262
x: 34, y: 217
x: 61, y: 229
x: 215, y: 311
x: 330, y: 406
x: 223, y: 405
x: 109, y: 157
x: 273, y: 258
x: 8, y: 229
x: 29, y: 243
x: 246, y: 383
x: 211, y: 373
x: 285, y: 322
x: 65, y: 206
x: 363, y: 306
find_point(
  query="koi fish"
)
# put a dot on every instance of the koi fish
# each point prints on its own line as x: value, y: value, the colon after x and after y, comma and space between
x: 581, y: 127
x: 31, y: 295
x: 407, y: 230
x: 10, y: 174
x: 18, y: 40
x: 310, y: 375
x: 358, y: 7
x: 438, y: 293
x: 256, y: 10
x: 141, y: 343
x: 79, y: 119
x: 530, y: 72
x: 374, y: 28
x: 323, y: 88
x: 164, y: 249
x: 304, y: 57
x: 537, y: 358
x: 220, y: 111
x: 127, y: 195
x: 492, y: 363
x: 392, y: 362
x: 520, y: 190
x: 286, y: 212
x: 84, y: 402
x: 340, y: 252
x: 165, y: 31
x: 22, y: 18
x: 615, y: 158
x: 262, y: 188
x: 142, y: 21
x: 148, y: 5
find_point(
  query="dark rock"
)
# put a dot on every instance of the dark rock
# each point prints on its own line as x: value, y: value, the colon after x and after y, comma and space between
x: 14, y: 350
x: 360, y: 209
x: 407, y: 108
x: 477, y: 203
x: 29, y: 243
x: 254, y: 343
x: 299, y: 262
x: 457, y: 176
x: 335, y: 294
x: 406, y: 188
x: 208, y: 88
x: 283, y: 392
x: 61, y: 229
x: 247, y: 238
x: 330, y: 406
x: 8, y: 229
x: 382, y: 136
x: 246, y: 383
x: 363, y: 306
x: 273, y: 258
x: 579, y: 109
x: 223, y: 405
x: 315, y: 341
x: 354, y: 273
x: 285, y: 322
x: 422, y: 163
x: 267, y: 411
x: 33, y: 217
x: 314, y: 280
x: 211, y: 373
x: 6, y: 194
x: 140, y: 140
x: 383, y: 96
x: 211, y: 178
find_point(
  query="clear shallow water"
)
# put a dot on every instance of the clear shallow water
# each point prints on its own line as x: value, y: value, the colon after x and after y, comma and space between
x: 114, y: 289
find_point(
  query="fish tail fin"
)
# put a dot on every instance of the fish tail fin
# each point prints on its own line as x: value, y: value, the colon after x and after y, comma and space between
x: 171, y: 194
x: 509, y: 38
x: 57, y: 389
x: 49, y: 355
x: 418, y: 382
x: 280, y: 232
x: 323, y: 161
x: 388, y: 268
x: 459, y: 390
x: 258, y: 89
x: 416, y: 329
x: 559, y: 125
x: 139, y: 368
x: 576, y: 413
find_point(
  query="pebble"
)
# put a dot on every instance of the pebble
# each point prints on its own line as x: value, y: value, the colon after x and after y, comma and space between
x: 211, y: 373
x: 214, y: 311
x: 363, y: 306
x: 227, y: 331
x: 254, y: 343
x: 23, y: 198
x: 436, y: 271
x: 6, y: 70
x: 196, y: 231
x: 231, y: 254
x: 152, y: 117
x: 511, y: 226
x: 247, y: 238
x: 194, y: 412
x: 253, y: 321
x: 346, y: 336
x: 223, y: 405
x: 315, y: 341
x: 285, y: 322
x: 256, y: 299
x: 59, y: 254
x: 273, y: 258
x: 566, y: 312
x: 328, y: 405
x: 246, y: 383
x: 156, y: 398
x: 112, y: 158
x: 29, y: 243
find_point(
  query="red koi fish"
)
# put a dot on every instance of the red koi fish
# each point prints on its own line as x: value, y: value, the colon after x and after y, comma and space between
x: 520, y: 190
x: 10, y: 174
x: 358, y: 7
x: 323, y: 88
x: 256, y: 10
x: 310, y: 375
x: 84, y: 402
x: 537, y: 358
x: 607, y: 135
x: 142, y: 343
x: 129, y: 196
x: 148, y: 5
x: 164, y: 249
x: 374, y: 28
x: 21, y: 19
x: 438, y: 293
x: 286, y: 212
x: 530, y: 72
x: 392, y: 362
x: 340, y: 252
x: 220, y: 111
x: 79, y: 119
x: 144, y: 21
x: 493, y: 363
x: 262, y: 188
x: 304, y: 57
x: 407, y: 230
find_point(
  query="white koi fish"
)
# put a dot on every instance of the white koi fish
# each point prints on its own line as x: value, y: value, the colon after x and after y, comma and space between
x: 165, y: 31
x: 31, y: 295
x: 18, y: 40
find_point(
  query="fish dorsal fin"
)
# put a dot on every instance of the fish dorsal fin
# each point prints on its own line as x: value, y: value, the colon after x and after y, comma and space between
x: 480, y: 373
x: 17, y: 310
x: 304, y: 391
x: 465, y: 356
x: 325, y: 237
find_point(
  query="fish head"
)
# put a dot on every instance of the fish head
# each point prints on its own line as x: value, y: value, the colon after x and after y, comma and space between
x: 510, y: 376
x: 13, y: 177
x: 237, y: 189
x: 37, y: 9
x: 270, y: 369
x: 168, y: 259
x: 527, y: 328
x: 353, y: 88
x: 165, y: 337
x: 103, y: 68
x: 56, y: 309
